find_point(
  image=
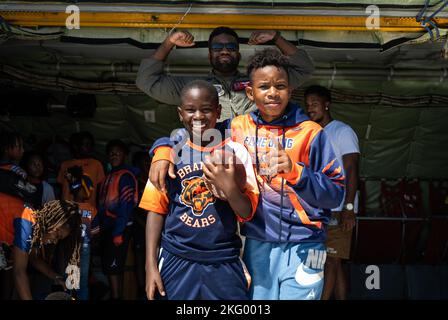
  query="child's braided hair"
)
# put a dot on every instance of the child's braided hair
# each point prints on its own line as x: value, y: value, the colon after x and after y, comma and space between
x: 53, y: 215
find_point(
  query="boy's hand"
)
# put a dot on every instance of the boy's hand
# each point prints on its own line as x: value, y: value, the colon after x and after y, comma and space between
x: 182, y: 39
x: 260, y: 37
x: 279, y: 160
x: 153, y: 282
x: 217, y: 173
x: 118, y: 240
x: 157, y: 174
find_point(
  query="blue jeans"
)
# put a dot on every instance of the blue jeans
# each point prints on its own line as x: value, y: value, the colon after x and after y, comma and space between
x: 83, y: 292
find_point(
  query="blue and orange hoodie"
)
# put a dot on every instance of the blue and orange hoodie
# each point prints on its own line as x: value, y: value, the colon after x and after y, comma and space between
x: 293, y: 207
x: 118, y: 196
x: 16, y: 222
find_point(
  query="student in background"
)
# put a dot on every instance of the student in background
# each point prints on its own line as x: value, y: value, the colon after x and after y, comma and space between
x: 34, y: 165
x: 82, y: 144
x: 345, y: 145
x: 118, y: 196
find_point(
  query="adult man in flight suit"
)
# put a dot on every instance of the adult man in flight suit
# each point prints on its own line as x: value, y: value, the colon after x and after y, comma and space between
x: 224, y: 58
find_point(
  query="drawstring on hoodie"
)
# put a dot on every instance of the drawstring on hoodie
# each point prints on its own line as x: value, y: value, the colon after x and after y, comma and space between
x: 257, y: 165
x: 283, y: 181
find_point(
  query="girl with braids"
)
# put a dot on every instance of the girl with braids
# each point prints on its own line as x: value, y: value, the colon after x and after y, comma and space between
x: 30, y: 231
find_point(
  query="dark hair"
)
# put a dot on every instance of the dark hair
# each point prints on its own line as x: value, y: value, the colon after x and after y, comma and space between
x: 117, y: 143
x: 267, y: 57
x: 319, y: 91
x: 8, y: 140
x: 201, y: 84
x: 222, y: 30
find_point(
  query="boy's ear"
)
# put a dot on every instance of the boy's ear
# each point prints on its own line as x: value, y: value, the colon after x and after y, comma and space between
x: 250, y: 92
x: 219, y: 111
x: 179, y: 112
x: 290, y: 89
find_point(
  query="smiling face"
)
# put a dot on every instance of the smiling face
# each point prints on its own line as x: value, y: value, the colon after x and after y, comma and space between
x: 224, y: 54
x: 270, y: 91
x: 52, y: 237
x: 198, y: 112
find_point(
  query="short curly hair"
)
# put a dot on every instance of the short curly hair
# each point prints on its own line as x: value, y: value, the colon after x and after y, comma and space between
x: 267, y: 57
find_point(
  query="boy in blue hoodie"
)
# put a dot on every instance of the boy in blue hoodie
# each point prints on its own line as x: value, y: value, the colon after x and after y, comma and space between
x: 299, y: 178
x: 118, y: 197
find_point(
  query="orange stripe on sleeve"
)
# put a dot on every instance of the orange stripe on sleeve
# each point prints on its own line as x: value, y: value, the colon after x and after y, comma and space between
x: 301, y: 213
x: 328, y: 166
x: 294, y: 176
x: 253, y: 198
x: 335, y: 172
x: 163, y: 153
x: 154, y: 200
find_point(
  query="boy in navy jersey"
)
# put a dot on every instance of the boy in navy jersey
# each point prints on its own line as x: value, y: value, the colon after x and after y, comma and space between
x: 196, y: 231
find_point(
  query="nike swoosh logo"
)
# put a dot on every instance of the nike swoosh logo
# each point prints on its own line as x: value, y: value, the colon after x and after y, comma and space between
x: 307, y: 279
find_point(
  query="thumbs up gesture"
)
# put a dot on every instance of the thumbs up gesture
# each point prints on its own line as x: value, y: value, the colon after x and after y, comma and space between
x: 279, y: 160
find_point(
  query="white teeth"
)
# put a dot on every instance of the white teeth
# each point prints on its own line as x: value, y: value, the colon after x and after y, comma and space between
x: 198, y: 125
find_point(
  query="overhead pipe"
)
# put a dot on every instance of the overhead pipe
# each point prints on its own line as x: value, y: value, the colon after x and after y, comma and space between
x: 130, y: 69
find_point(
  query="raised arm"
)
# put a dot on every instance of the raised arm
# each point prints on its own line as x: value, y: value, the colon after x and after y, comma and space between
x: 301, y: 68
x: 151, y: 78
x: 179, y: 38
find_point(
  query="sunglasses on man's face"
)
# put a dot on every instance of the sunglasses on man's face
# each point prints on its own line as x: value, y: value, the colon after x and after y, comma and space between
x: 231, y: 46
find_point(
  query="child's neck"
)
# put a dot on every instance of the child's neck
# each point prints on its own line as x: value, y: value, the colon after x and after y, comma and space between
x: 204, y: 144
x: 34, y: 180
x: 270, y: 119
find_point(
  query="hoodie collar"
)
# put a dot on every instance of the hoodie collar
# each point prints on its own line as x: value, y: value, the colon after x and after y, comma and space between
x: 293, y: 115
